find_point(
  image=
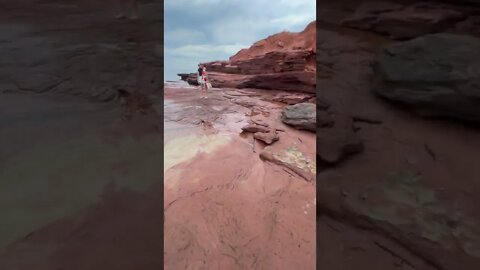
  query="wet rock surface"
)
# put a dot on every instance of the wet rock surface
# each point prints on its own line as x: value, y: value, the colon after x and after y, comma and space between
x: 240, y: 185
x: 222, y: 198
x: 396, y: 190
x: 80, y: 133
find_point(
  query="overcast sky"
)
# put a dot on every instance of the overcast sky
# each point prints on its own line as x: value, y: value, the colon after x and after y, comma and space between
x: 208, y: 30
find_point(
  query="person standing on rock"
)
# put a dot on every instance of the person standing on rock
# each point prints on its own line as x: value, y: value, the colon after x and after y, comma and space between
x: 123, y: 9
x: 205, y: 82
x: 200, y: 80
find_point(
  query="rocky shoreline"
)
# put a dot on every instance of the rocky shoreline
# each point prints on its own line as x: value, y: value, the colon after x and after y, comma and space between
x: 284, y: 61
x: 262, y: 108
x: 238, y: 181
x: 398, y: 135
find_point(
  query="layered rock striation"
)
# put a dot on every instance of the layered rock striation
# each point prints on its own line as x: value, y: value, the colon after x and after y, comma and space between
x: 284, y: 61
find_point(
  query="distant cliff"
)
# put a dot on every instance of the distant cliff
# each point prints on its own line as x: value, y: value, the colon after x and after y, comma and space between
x: 284, y: 61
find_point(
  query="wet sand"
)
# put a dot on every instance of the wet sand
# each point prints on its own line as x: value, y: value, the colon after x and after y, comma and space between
x: 225, y: 208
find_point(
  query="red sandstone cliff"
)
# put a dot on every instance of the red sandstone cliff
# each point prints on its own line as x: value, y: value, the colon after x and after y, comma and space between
x: 284, y: 61
x: 281, y: 42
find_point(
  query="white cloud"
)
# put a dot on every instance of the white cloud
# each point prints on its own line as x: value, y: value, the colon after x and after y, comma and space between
x: 201, y: 50
x: 190, y: 3
x: 184, y: 59
x: 175, y: 65
x: 293, y: 19
x: 182, y: 35
x: 299, y: 3
x: 239, y: 30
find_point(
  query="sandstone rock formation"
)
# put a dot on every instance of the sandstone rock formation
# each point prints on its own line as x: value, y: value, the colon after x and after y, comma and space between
x: 301, y: 116
x: 292, y: 158
x: 389, y: 180
x: 281, y: 42
x: 267, y: 137
x: 436, y: 74
x: 284, y: 61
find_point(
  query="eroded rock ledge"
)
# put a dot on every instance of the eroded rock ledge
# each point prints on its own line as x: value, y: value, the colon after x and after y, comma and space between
x: 285, y: 61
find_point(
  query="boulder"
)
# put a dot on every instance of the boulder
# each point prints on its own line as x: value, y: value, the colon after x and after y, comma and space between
x: 255, y: 128
x: 292, y: 158
x: 301, y: 116
x: 438, y: 75
x: 267, y: 137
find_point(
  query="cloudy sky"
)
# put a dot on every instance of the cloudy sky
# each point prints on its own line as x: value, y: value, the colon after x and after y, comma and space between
x: 208, y: 30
